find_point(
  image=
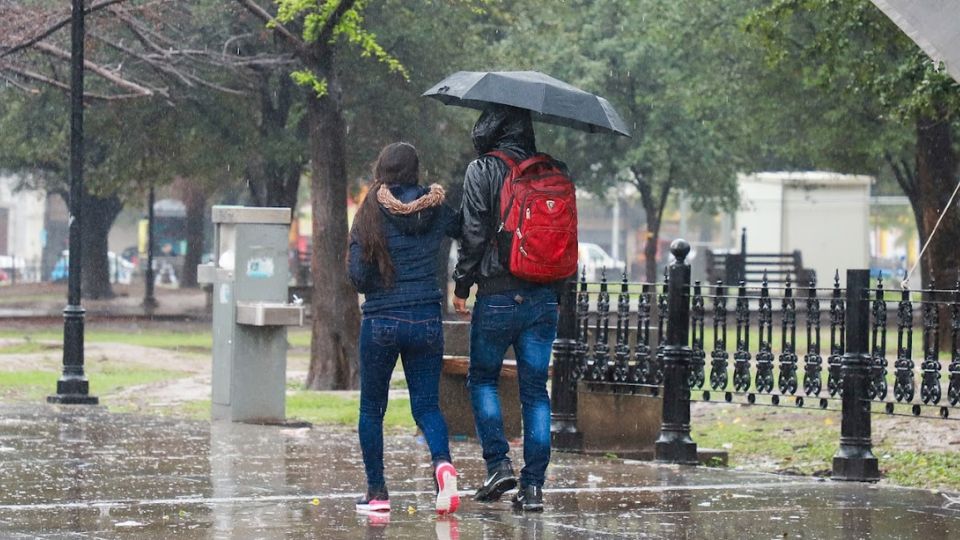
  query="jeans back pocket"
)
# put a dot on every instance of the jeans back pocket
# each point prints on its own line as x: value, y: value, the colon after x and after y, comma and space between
x: 384, y: 331
x: 498, y: 314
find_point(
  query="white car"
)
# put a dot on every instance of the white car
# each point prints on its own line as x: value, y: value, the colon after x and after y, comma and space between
x: 593, y: 260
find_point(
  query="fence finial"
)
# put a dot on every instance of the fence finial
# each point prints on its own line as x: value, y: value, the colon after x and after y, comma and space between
x: 680, y: 248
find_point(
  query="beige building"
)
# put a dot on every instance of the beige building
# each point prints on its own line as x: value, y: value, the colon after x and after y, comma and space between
x: 21, y: 228
x: 825, y: 215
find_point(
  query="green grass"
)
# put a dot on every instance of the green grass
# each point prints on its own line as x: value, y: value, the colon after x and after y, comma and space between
x: 319, y: 408
x: 160, y: 339
x: 323, y: 408
x: 804, y: 442
x: 25, y: 347
x: 299, y: 337
x: 156, y: 338
x: 752, y: 436
x: 925, y: 470
x: 104, y: 380
x: 8, y: 299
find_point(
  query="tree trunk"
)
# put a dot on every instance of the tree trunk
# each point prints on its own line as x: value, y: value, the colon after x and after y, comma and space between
x: 335, y: 310
x: 195, y: 200
x: 273, y: 178
x: 98, y: 216
x: 653, y: 205
x: 936, y: 180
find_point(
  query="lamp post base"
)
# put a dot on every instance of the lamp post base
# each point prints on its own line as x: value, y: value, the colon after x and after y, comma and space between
x: 73, y: 399
x: 73, y: 392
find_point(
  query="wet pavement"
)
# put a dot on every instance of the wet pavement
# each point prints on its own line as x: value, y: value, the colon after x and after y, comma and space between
x: 85, y: 473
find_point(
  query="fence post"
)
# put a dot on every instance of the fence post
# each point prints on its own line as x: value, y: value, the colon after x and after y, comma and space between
x: 854, y: 461
x: 564, y: 435
x: 675, y: 444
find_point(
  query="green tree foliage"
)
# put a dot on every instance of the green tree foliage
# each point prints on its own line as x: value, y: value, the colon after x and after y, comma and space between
x: 315, y: 34
x: 129, y: 144
x: 897, y: 108
x: 666, y: 66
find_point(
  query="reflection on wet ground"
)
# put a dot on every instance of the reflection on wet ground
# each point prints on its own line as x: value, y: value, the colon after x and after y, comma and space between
x: 85, y: 473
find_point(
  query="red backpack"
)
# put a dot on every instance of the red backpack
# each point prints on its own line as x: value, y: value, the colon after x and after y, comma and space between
x: 537, y: 234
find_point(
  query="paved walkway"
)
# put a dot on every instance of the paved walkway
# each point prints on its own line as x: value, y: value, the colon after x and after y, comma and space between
x: 85, y: 473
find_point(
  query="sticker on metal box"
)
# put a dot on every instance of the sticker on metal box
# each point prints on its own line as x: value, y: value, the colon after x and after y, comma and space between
x: 260, y: 267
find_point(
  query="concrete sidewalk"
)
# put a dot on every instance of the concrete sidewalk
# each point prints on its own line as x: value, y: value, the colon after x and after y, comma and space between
x: 85, y: 473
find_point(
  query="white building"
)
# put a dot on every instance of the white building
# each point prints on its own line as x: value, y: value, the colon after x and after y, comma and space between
x: 21, y: 227
x: 824, y: 215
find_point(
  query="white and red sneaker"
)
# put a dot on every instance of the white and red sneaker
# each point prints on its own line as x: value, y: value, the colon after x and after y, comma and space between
x: 448, y: 498
x: 377, y: 501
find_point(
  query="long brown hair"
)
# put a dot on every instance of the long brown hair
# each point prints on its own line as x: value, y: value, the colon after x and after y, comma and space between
x: 397, y: 164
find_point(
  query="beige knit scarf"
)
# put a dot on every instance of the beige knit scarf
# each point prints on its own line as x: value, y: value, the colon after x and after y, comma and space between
x: 434, y: 197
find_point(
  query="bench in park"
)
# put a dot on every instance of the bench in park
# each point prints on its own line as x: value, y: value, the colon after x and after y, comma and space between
x: 752, y: 268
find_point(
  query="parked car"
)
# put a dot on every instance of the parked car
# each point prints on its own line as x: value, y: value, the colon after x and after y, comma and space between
x: 121, y: 270
x: 593, y: 260
x: 4, y: 278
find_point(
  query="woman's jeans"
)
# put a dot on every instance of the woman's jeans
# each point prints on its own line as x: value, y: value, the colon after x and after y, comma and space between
x: 526, y: 319
x: 416, y: 334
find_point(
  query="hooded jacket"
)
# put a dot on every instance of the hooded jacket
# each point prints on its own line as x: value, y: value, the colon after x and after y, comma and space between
x: 499, y: 128
x: 414, y: 222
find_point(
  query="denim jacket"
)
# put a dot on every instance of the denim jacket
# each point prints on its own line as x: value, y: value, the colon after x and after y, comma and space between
x: 413, y: 241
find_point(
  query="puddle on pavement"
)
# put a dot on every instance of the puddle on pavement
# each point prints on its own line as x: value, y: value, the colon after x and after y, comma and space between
x: 102, y: 475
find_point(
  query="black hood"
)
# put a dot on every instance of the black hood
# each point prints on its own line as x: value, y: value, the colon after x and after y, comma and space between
x: 504, y: 127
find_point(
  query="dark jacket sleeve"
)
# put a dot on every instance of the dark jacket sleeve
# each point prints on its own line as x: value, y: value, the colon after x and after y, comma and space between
x: 474, y: 225
x: 450, y: 220
x: 364, y: 276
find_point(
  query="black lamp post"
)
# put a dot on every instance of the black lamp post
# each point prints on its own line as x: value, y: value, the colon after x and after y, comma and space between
x: 149, y: 300
x: 73, y: 388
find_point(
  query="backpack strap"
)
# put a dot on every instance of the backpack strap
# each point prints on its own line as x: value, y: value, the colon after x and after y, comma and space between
x: 514, y: 172
x: 504, y: 157
x: 536, y: 159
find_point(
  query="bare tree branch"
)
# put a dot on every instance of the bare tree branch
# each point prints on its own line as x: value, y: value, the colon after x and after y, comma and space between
x: 52, y: 29
x: 28, y: 74
x: 103, y: 72
x: 278, y: 27
x: 152, y: 40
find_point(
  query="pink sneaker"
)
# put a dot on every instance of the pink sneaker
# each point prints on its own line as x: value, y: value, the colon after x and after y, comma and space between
x: 448, y: 498
x: 377, y: 501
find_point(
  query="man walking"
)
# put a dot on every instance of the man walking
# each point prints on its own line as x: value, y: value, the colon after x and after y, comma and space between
x: 508, y: 312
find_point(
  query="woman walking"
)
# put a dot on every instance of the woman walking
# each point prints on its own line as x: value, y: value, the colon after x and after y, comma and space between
x: 394, y: 244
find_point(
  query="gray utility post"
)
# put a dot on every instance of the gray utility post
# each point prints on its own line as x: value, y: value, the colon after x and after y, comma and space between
x: 250, y: 276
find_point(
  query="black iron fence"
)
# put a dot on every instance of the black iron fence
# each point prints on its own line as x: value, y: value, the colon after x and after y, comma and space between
x: 840, y: 348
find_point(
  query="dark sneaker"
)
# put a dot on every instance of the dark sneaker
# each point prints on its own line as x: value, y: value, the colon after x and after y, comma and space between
x: 529, y: 499
x: 445, y: 478
x: 500, y: 481
x: 374, y: 501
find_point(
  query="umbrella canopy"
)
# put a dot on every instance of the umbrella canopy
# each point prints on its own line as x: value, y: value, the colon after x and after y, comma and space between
x: 550, y: 100
x: 932, y: 25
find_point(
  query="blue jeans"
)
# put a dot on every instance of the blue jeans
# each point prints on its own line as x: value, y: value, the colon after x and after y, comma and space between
x: 416, y: 334
x: 527, y: 320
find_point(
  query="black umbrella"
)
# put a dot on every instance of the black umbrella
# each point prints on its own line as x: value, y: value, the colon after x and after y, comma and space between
x: 551, y: 100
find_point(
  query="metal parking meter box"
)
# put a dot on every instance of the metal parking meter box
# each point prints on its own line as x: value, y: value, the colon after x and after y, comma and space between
x: 250, y: 276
